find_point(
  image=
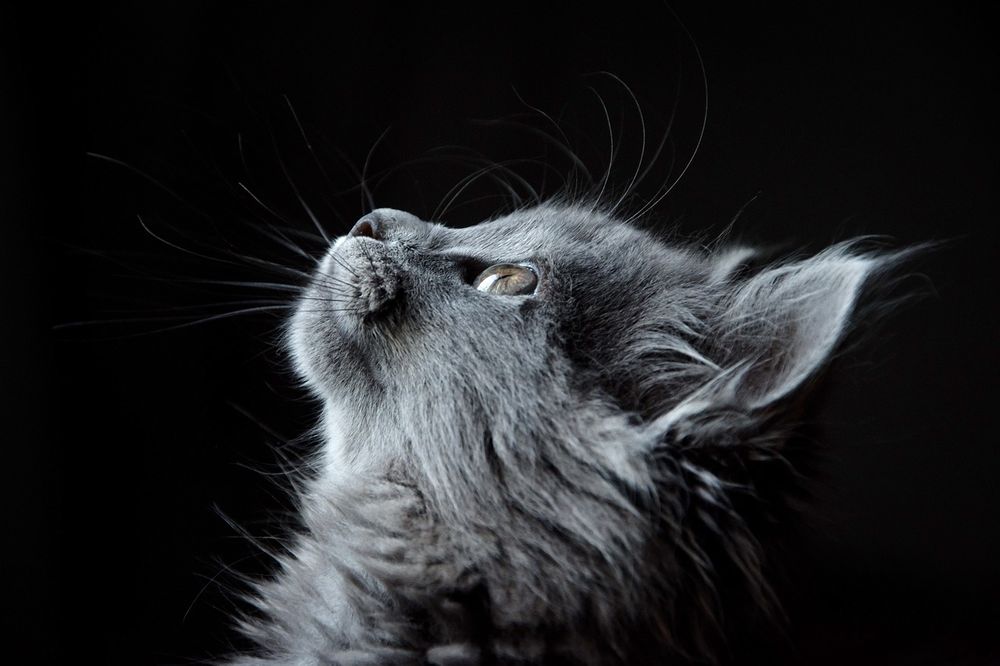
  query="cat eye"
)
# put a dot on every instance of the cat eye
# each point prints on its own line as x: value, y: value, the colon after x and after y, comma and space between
x: 507, y: 280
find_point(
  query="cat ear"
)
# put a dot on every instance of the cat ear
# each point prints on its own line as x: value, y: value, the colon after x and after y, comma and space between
x: 774, y: 333
x: 782, y: 326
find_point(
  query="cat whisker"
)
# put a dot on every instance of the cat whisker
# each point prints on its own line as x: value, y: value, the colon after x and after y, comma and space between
x: 308, y: 144
x: 183, y: 325
x: 488, y: 170
x: 367, y: 197
x: 330, y: 300
x: 642, y: 147
x: 178, y: 247
x: 254, y: 284
x: 340, y: 261
x: 195, y: 307
x: 285, y: 242
x: 563, y: 145
x: 299, y: 197
x: 332, y: 282
x: 652, y: 203
x: 154, y: 181
x: 280, y: 268
x: 612, y: 151
x: 667, y: 135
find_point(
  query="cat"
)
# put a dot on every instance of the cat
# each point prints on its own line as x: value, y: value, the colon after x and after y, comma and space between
x: 552, y: 437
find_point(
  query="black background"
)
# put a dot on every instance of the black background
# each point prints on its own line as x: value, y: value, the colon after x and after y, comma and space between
x: 125, y: 445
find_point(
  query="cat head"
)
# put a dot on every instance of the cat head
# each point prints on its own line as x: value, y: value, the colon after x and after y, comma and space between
x: 422, y: 340
x: 588, y: 405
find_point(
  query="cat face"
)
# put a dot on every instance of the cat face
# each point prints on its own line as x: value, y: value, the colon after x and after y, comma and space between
x: 395, y: 324
x: 424, y: 340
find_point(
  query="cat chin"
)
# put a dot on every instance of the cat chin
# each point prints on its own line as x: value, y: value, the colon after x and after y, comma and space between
x: 318, y: 354
x: 297, y: 340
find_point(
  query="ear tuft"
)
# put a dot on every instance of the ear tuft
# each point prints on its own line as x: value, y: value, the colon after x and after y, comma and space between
x: 730, y: 262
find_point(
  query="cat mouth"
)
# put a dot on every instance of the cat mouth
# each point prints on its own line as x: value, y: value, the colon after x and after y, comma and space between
x: 363, y: 282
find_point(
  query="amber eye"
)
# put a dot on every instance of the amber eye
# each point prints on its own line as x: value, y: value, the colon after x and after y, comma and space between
x: 507, y: 280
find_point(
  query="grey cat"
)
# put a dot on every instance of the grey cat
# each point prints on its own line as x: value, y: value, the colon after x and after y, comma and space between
x: 549, y: 438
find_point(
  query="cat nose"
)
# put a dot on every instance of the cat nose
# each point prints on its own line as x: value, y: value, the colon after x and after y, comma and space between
x: 384, y: 224
x: 370, y: 226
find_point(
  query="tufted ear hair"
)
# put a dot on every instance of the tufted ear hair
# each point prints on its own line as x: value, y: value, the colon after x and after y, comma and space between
x: 772, y: 334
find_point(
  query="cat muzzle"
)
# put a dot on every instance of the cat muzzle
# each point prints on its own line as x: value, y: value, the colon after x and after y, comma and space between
x: 365, y: 278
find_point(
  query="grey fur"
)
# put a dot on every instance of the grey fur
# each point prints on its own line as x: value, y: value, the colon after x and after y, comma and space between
x: 564, y: 477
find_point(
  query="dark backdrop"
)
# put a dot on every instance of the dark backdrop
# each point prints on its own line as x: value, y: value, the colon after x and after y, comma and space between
x: 132, y: 453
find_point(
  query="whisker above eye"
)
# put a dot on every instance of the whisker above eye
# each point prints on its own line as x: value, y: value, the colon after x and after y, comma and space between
x: 655, y: 200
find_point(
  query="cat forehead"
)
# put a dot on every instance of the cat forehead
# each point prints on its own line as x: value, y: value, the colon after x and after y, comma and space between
x: 543, y: 229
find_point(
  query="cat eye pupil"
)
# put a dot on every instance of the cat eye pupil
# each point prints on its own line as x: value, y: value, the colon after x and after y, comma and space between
x: 507, y: 280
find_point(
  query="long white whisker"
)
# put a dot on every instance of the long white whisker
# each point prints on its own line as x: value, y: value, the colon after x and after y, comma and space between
x: 701, y: 134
